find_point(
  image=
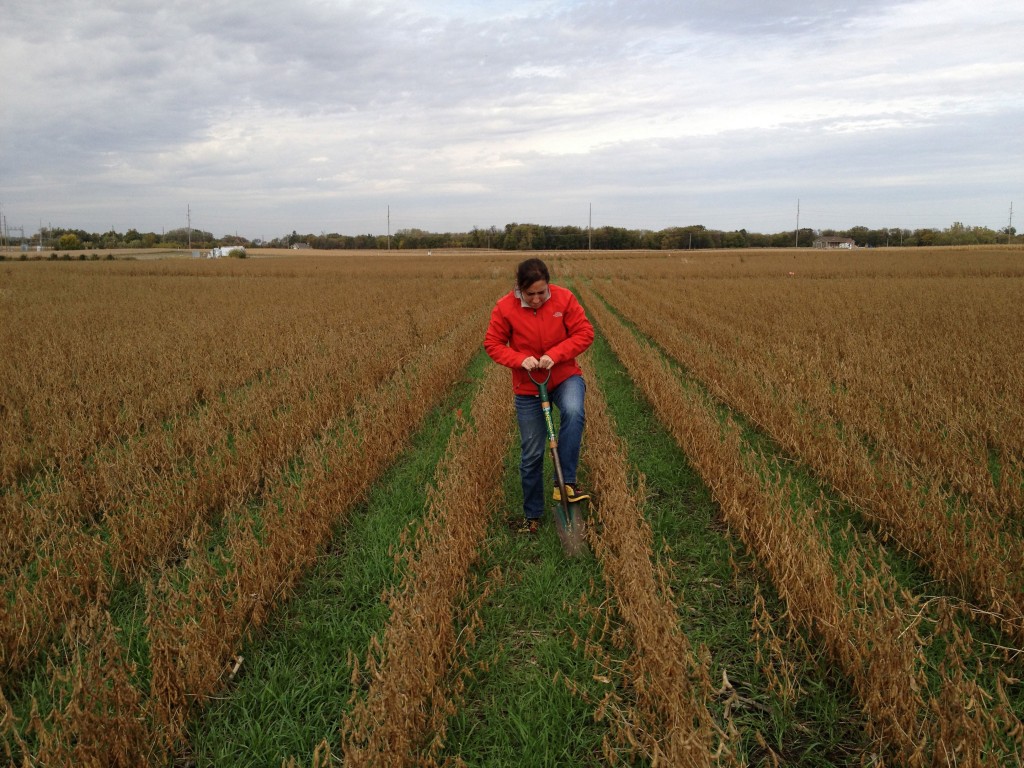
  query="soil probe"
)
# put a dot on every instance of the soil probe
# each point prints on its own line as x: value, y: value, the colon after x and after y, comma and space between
x: 568, y: 520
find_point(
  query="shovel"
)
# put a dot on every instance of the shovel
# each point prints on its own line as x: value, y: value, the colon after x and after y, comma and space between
x: 568, y: 520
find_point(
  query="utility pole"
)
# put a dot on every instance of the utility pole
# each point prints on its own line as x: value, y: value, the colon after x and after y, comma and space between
x: 796, y: 243
x: 389, y: 227
x: 189, y: 220
x: 1009, y: 226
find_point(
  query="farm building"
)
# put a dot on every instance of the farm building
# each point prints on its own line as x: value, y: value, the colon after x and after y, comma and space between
x: 834, y: 242
x: 225, y: 251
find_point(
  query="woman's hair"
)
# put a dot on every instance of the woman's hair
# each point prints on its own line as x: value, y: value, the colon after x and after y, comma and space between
x: 530, y: 271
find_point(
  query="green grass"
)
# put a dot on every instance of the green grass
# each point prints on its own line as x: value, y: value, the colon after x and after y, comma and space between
x: 824, y: 726
x: 295, y: 683
x: 515, y: 712
x: 988, y: 655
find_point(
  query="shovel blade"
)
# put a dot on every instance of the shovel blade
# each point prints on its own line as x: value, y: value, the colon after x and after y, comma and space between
x: 571, y: 529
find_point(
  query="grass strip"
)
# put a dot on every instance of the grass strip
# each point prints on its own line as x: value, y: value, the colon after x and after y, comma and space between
x: 669, y: 720
x: 296, y: 680
x: 516, y: 709
x: 783, y: 698
x: 866, y: 626
x: 401, y: 716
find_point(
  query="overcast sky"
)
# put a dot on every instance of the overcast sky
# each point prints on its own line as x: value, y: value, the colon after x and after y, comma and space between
x: 317, y: 115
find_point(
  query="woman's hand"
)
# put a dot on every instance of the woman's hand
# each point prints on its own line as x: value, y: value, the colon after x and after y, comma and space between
x: 532, y: 363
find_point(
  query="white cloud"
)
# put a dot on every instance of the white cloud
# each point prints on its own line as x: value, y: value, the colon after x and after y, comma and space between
x: 480, y: 113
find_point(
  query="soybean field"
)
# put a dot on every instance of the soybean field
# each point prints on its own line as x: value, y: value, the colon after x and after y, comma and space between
x: 263, y: 512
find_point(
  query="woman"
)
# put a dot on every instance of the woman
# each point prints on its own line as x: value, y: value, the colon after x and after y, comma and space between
x: 542, y: 327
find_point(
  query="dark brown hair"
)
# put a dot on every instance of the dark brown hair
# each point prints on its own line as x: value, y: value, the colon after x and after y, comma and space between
x: 530, y: 271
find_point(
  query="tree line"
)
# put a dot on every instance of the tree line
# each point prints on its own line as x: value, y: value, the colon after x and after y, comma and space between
x: 529, y: 237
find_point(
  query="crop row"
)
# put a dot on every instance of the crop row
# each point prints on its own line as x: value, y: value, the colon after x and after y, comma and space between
x: 969, y: 545
x: 197, y: 617
x: 865, y: 622
x: 156, y: 489
x: 670, y: 722
x: 96, y: 353
x: 400, y: 719
x: 94, y: 357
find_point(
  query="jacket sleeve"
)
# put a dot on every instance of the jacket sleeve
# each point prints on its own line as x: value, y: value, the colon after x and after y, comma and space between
x: 499, y: 333
x: 581, y: 333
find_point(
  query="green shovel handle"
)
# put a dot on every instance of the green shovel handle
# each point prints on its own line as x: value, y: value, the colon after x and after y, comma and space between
x: 542, y: 386
x: 545, y: 404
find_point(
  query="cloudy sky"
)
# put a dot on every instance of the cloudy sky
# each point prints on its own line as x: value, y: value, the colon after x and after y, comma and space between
x: 264, y: 117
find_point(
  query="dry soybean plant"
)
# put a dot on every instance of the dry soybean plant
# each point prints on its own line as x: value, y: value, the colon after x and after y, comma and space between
x: 400, y: 719
x: 865, y: 622
x: 670, y: 722
x: 789, y: 376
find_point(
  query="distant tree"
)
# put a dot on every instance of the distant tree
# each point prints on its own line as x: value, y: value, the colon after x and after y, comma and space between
x: 615, y: 238
x: 182, y: 236
x: 526, y: 236
x: 736, y: 239
x: 859, y: 235
x: 69, y: 242
x: 806, y: 238
x: 925, y: 237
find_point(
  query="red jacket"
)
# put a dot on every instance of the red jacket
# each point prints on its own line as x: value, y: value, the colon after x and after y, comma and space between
x: 558, y: 329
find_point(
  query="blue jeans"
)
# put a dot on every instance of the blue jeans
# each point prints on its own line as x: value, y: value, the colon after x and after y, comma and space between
x: 567, y: 397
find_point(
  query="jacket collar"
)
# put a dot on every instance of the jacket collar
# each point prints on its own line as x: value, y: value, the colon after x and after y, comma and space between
x: 519, y: 295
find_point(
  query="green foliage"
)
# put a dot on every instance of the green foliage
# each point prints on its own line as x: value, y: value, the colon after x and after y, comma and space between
x: 297, y: 679
x: 69, y: 242
x: 716, y: 608
x: 540, y: 237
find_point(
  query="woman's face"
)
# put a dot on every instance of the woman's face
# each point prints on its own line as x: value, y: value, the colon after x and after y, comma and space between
x: 535, y: 293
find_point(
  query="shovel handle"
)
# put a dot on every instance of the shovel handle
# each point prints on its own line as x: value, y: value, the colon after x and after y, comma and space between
x: 541, y: 383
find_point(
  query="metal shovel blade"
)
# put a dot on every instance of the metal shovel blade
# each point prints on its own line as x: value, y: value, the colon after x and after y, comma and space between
x: 569, y: 524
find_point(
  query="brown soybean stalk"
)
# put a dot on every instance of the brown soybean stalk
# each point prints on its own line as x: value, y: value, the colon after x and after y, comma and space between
x: 198, y: 614
x: 97, y: 352
x: 866, y: 624
x: 391, y: 724
x: 195, y: 629
x: 101, y: 720
x: 159, y: 486
x: 670, y: 723
x: 886, y: 421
